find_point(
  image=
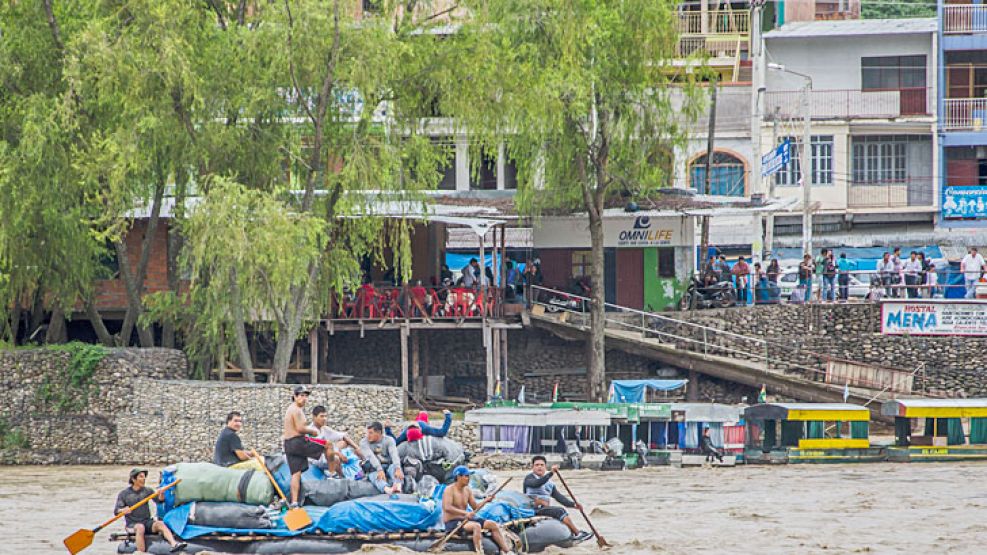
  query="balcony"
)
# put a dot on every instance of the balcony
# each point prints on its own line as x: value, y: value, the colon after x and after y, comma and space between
x: 715, y: 23
x: 716, y: 47
x: 964, y: 114
x: 850, y: 104
x: 907, y: 193
x: 964, y: 19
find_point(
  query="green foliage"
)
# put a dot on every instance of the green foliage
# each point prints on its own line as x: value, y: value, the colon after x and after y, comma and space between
x: 70, y: 388
x: 12, y: 437
x: 885, y: 9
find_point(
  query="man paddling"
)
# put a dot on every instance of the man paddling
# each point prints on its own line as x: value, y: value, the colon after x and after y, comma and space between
x: 539, y: 487
x: 457, y: 500
x: 297, y: 449
x: 139, y: 520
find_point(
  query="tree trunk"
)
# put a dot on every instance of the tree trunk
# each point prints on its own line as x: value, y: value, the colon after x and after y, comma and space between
x: 596, y: 375
x: 240, y: 330
x: 175, y: 244
x: 15, y: 320
x: 135, y: 282
x: 56, y: 327
x: 97, y: 322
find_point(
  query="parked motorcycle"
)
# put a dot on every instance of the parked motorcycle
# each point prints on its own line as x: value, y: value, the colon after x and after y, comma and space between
x: 718, y: 295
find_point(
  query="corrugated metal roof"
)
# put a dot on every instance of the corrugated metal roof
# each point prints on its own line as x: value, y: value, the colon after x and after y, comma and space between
x: 464, y: 239
x: 854, y: 27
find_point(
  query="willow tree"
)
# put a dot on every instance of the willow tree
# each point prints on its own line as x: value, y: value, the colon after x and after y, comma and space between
x: 588, y: 101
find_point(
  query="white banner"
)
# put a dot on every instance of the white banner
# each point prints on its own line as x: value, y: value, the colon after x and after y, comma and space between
x: 933, y: 318
x: 621, y: 232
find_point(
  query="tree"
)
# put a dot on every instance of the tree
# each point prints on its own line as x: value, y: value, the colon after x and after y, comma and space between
x: 884, y: 9
x: 587, y: 100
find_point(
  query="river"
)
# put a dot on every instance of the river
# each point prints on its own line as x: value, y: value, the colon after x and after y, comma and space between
x: 863, y: 508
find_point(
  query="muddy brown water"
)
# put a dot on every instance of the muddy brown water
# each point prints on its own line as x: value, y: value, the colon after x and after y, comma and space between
x: 863, y: 508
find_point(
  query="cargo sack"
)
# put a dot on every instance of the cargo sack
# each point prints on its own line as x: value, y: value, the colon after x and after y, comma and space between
x: 326, y: 493
x: 229, y: 515
x: 209, y: 482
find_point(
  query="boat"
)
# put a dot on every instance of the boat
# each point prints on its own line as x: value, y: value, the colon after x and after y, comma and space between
x: 943, y: 436
x: 534, y: 534
x: 809, y: 433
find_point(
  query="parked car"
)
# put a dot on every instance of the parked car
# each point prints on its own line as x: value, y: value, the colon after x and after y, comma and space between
x: 789, y: 280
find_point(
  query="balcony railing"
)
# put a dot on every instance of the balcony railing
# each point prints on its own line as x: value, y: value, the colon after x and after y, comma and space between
x: 964, y: 114
x: 964, y: 18
x: 850, y: 104
x: 910, y: 192
x: 717, y: 47
x: 715, y: 23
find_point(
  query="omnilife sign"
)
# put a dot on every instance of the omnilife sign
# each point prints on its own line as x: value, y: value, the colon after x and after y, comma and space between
x: 643, y: 231
x: 624, y: 231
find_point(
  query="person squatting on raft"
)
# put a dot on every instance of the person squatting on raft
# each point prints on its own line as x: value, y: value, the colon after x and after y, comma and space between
x: 229, y: 449
x: 297, y: 448
x: 345, y: 452
x: 457, y: 500
x: 139, y: 520
x: 421, y: 422
x: 539, y: 487
x: 707, y: 447
x: 382, y: 454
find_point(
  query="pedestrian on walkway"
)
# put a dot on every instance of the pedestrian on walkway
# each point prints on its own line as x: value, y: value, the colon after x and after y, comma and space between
x: 898, y: 272
x: 774, y: 271
x: 932, y: 281
x: 829, y: 278
x: 742, y: 275
x: 911, y: 269
x: 820, y: 265
x: 804, y: 290
x: 972, y: 267
x: 843, y: 267
x: 886, y: 269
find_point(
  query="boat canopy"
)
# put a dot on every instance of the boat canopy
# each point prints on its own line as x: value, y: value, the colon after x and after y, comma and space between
x: 935, y: 408
x: 708, y: 412
x: 625, y: 412
x: 537, y: 417
x: 825, y: 412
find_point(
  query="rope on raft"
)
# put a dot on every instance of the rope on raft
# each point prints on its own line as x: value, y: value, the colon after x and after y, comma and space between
x: 349, y: 536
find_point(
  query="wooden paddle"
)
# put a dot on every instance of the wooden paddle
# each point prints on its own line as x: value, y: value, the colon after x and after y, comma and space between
x: 83, y: 538
x: 599, y: 539
x: 294, y: 519
x: 438, y: 545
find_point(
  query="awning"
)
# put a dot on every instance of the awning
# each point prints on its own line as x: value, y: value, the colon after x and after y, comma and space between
x: 632, y: 391
x: 935, y: 408
x: 537, y: 417
x: 709, y: 412
x: 826, y: 412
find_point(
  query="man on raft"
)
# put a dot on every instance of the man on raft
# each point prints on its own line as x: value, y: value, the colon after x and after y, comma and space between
x: 457, y: 500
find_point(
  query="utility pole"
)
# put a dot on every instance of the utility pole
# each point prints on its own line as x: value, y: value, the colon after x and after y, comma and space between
x: 758, y: 79
x: 806, y: 155
x: 704, y: 233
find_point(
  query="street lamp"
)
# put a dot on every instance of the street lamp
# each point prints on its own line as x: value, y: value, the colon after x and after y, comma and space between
x: 806, y: 154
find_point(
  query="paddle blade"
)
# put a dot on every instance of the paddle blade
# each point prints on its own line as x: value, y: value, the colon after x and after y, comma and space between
x: 296, y: 519
x: 79, y: 541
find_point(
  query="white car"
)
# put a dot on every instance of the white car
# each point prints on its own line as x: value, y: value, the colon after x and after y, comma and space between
x: 858, y: 288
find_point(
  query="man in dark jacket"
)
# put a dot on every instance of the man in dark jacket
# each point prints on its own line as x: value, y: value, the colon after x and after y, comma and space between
x: 707, y: 447
x: 539, y: 487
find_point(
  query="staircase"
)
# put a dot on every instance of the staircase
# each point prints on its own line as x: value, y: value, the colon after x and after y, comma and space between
x: 786, y: 370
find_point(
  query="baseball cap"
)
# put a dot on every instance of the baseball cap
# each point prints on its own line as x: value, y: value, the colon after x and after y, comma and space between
x: 302, y: 390
x: 414, y: 434
x: 461, y: 471
x: 422, y: 417
x: 135, y: 471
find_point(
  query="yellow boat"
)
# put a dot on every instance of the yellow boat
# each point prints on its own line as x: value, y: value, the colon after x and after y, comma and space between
x: 809, y: 433
x: 946, y: 426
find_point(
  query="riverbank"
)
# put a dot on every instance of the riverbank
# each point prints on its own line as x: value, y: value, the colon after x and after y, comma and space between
x: 875, y: 508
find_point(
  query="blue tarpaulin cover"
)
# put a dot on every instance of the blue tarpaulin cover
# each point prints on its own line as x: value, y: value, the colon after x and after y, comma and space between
x: 632, y: 391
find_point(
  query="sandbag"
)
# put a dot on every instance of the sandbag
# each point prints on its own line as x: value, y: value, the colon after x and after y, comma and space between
x: 229, y: 515
x: 157, y: 546
x: 326, y: 493
x: 543, y: 534
x: 209, y: 482
x: 300, y: 545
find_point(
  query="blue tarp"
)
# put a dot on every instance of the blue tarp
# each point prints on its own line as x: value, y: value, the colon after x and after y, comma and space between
x: 632, y: 391
x: 457, y: 262
x: 865, y: 257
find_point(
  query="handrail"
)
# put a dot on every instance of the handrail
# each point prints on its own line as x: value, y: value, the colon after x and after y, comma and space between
x: 711, y: 333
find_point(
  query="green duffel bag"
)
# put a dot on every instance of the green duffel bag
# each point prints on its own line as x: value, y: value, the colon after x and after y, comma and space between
x: 209, y: 482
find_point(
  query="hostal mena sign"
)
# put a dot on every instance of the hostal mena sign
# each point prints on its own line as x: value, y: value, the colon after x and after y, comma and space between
x: 933, y: 318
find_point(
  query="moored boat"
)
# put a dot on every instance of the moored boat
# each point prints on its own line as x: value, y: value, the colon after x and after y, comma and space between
x: 943, y: 435
x: 781, y: 433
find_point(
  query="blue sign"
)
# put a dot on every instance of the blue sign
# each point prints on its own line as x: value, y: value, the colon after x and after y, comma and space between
x: 776, y: 159
x: 964, y: 202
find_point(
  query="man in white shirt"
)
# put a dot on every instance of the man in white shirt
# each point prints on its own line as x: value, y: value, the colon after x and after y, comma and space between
x: 886, y: 267
x: 912, y: 268
x: 972, y: 267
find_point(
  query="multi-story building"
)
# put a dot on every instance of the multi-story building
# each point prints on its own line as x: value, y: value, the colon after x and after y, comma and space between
x: 962, y: 80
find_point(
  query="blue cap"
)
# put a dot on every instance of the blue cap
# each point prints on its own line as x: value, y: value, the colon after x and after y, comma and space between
x: 461, y: 471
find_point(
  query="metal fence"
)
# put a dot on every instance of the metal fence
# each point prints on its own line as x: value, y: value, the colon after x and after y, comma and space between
x: 850, y: 103
x: 912, y: 191
x: 963, y: 114
x: 964, y: 18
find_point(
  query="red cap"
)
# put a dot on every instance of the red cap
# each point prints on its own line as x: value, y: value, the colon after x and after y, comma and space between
x: 422, y: 416
x: 414, y: 434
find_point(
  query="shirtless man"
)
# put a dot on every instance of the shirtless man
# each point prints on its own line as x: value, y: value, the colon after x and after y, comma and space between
x: 297, y: 448
x: 456, y: 504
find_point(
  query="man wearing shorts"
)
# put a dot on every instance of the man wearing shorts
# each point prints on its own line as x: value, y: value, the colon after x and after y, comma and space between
x: 297, y: 448
x: 539, y: 487
x: 457, y: 500
x: 139, y: 520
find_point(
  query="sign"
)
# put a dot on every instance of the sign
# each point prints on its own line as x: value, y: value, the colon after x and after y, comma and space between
x: 777, y: 158
x: 933, y: 318
x: 624, y: 231
x: 961, y: 202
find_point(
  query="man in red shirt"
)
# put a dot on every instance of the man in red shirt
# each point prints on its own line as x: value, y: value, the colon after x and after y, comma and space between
x: 741, y: 273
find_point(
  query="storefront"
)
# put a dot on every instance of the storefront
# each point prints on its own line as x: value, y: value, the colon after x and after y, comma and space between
x: 648, y: 256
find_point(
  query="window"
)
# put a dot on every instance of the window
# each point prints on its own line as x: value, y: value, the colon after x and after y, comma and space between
x: 485, y: 177
x: 446, y: 148
x: 879, y: 159
x: 666, y: 262
x: 892, y: 73
x: 371, y: 6
x: 728, y: 177
x: 581, y: 263
x: 822, y: 162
